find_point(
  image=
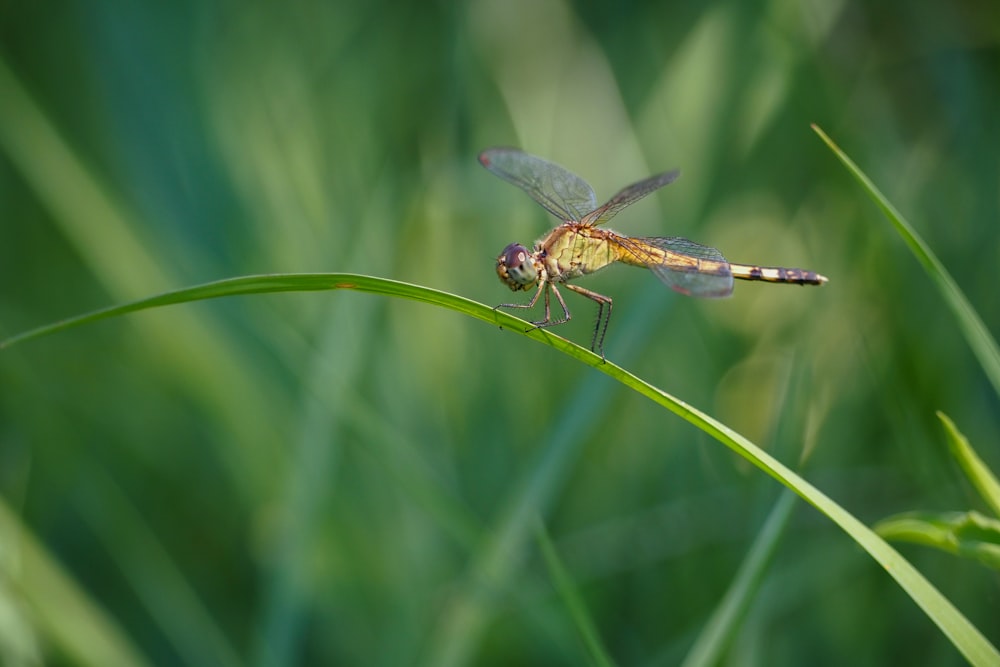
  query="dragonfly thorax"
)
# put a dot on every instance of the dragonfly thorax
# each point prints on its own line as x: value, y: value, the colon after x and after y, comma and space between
x: 518, y: 268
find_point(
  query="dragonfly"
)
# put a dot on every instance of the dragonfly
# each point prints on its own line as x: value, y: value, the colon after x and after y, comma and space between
x: 580, y: 246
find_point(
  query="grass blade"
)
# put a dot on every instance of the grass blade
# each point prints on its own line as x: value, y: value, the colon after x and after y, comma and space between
x: 715, y: 636
x: 977, y: 471
x: 157, y: 581
x: 963, y: 635
x: 982, y: 342
x: 65, y: 615
x: 571, y: 598
x: 967, y: 534
x: 265, y: 284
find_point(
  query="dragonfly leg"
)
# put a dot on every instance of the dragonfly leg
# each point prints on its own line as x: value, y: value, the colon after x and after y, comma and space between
x: 531, y: 304
x: 548, y: 322
x: 548, y: 311
x: 597, y: 343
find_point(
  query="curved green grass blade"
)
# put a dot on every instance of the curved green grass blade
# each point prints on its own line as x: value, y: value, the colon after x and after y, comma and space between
x: 963, y: 635
x: 982, y: 342
x: 265, y: 284
x: 309, y: 282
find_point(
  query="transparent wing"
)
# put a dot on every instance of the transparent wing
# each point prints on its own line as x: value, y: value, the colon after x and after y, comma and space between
x: 560, y: 192
x: 629, y: 195
x: 684, y: 266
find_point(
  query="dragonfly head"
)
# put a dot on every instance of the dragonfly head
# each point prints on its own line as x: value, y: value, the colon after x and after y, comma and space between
x: 516, y: 268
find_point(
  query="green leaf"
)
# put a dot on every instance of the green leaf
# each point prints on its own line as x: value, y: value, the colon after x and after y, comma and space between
x: 966, y: 534
x: 982, y: 342
x: 977, y: 471
x: 965, y: 637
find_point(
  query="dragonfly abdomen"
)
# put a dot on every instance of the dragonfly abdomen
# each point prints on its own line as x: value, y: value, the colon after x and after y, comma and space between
x: 773, y: 274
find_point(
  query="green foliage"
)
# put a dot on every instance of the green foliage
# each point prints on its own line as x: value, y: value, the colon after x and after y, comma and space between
x: 332, y: 478
x: 575, y: 605
x: 975, y: 470
x: 978, y: 336
x: 967, y: 639
x: 967, y: 534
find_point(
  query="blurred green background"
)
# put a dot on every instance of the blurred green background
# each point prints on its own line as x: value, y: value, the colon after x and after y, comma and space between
x: 338, y: 478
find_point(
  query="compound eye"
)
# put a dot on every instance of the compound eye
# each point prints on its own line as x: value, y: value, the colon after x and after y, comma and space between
x: 517, y: 264
x: 514, y: 255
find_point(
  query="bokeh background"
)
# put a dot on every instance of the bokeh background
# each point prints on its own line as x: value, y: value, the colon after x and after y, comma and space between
x: 339, y: 478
